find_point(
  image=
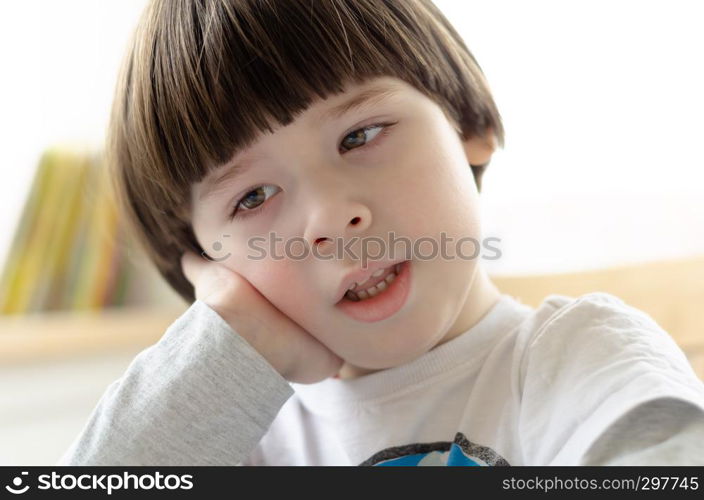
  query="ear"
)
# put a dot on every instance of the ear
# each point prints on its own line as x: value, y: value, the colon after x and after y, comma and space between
x: 479, y: 149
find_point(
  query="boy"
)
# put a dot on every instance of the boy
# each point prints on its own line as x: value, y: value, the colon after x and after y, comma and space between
x: 241, y: 126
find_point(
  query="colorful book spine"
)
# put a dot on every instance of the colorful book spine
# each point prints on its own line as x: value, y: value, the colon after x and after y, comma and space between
x: 69, y: 251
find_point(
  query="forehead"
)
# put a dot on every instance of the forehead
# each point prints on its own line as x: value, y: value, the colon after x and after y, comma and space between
x: 353, y: 97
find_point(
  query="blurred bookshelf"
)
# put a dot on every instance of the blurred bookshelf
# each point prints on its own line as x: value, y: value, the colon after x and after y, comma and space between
x: 73, y: 282
x: 70, y: 252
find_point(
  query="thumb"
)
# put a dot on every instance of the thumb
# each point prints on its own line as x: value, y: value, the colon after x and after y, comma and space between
x: 192, y: 266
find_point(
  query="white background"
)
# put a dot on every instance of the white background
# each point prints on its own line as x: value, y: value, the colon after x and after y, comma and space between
x: 601, y: 100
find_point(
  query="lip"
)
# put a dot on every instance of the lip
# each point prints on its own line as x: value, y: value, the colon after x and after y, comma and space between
x: 383, y: 305
x: 361, y: 275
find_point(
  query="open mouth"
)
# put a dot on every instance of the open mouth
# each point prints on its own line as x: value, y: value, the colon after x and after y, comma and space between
x: 379, y: 297
x: 377, y: 283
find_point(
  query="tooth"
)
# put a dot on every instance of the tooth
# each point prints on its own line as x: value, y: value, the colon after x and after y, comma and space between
x: 390, y: 278
x: 381, y: 286
x: 379, y: 273
x: 372, y: 291
x: 352, y: 286
x: 362, y: 294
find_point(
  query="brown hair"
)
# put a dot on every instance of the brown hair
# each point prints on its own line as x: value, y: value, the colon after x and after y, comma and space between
x: 203, y: 78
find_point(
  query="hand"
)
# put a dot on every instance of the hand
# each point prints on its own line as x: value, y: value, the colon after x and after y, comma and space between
x: 292, y: 351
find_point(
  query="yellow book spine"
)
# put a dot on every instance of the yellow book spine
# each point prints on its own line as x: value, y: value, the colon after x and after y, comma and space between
x: 38, y: 245
x: 16, y: 257
x: 50, y: 293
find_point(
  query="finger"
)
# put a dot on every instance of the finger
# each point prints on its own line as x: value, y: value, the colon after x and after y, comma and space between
x: 192, y: 266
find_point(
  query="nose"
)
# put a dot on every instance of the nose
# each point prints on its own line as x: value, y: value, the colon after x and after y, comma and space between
x: 336, y: 219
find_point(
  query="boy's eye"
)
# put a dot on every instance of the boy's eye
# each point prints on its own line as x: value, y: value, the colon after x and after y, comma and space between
x: 251, y: 200
x: 360, y: 137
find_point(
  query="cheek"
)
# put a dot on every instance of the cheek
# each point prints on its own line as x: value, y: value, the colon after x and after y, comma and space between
x: 278, y: 281
x: 437, y: 194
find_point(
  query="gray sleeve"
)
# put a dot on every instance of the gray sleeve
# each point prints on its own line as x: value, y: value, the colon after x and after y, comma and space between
x: 200, y: 396
x: 664, y: 431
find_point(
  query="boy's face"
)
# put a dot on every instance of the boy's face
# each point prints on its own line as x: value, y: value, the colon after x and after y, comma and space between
x: 323, y: 181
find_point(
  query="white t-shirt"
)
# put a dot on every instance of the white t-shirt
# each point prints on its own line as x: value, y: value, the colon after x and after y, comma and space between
x: 522, y: 387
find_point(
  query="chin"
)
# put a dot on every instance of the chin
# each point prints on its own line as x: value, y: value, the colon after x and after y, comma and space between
x: 393, y: 358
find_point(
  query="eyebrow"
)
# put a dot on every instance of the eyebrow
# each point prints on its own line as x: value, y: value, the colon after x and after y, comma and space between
x: 214, y: 185
x: 370, y: 96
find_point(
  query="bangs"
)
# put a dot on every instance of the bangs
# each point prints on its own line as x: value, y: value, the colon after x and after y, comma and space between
x: 224, y: 72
